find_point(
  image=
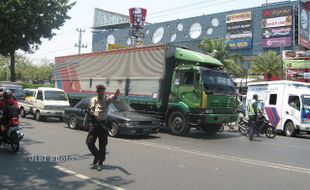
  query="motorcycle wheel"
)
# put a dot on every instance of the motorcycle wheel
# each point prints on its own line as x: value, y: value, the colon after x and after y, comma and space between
x: 270, y: 132
x: 15, y: 147
x: 242, y: 130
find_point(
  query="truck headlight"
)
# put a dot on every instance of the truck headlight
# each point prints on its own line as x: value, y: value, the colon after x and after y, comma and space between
x: 47, y: 107
x: 209, y: 111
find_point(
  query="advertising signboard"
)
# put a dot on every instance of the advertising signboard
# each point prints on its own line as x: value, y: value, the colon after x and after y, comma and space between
x: 297, y: 64
x: 277, y: 27
x: 304, y: 26
x: 239, y: 30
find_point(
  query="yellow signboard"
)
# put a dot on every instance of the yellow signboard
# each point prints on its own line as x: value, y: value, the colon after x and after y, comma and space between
x: 115, y: 46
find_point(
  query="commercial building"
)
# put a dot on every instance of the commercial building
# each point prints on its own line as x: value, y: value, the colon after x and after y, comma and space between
x: 249, y: 32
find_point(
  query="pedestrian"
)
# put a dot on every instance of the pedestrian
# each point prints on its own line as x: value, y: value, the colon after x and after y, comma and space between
x: 252, y: 113
x: 97, y: 110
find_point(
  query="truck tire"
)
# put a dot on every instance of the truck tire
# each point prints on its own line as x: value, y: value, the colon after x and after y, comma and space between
x: 178, y: 123
x: 289, y: 129
x: 22, y: 113
x: 37, y: 116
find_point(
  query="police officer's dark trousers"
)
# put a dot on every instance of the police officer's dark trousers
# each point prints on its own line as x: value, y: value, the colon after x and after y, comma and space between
x: 95, y: 132
x: 253, y: 126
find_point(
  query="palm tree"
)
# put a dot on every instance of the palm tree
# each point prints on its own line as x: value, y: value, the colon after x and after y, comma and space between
x: 269, y: 63
x: 218, y: 49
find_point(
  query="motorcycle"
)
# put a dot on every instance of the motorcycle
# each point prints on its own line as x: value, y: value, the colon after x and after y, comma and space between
x: 263, y: 126
x: 11, y: 137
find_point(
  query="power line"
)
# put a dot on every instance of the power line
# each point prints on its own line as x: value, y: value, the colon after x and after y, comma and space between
x: 181, y: 7
x: 189, y: 9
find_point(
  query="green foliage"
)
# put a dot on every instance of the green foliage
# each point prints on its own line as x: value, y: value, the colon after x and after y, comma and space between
x: 29, y: 85
x: 218, y: 49
x: 26, y: 71
x: 269, y: 63
x: 23, y: 24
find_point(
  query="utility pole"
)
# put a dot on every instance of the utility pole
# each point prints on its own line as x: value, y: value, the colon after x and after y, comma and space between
x: 79, y: 45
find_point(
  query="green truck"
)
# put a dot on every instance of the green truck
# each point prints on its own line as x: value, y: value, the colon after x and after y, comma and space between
x: 180, y: 87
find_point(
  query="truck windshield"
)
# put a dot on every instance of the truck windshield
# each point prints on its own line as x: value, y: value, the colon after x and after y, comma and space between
x: 55, y: 95
x: 217, y: 81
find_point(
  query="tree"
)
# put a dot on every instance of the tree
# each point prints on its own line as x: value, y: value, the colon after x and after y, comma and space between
x: 26, y: 71
x: 218, y: 49
x: 23, y: 23
x: 269, y: 63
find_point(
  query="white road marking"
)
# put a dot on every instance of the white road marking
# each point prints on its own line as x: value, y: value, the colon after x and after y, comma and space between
x: 87, y: 178
x: 225, y: 157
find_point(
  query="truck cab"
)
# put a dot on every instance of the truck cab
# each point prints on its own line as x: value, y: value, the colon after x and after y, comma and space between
x: 286, y: 104
x: 202, y: 94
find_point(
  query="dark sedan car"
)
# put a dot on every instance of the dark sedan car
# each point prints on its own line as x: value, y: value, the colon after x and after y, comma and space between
x: 122, y: 119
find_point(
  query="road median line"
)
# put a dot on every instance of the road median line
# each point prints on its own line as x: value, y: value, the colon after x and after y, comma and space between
x: 97, y: 182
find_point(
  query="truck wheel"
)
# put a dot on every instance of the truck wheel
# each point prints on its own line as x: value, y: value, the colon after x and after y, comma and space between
x: 37, y: 116
x: 72, y: 122
x: 178, y: 123
x: 22, y: 113
x: 289, y: 129
x: 113, y: 129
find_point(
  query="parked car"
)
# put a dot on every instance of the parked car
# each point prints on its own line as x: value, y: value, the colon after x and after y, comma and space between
x: 122, y: 119
x: 15, y: 88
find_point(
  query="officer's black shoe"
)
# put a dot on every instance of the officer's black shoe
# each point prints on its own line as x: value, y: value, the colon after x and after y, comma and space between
x: 95, y: 160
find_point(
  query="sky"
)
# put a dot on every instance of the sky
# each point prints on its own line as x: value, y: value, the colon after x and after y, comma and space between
x: 157, y: 11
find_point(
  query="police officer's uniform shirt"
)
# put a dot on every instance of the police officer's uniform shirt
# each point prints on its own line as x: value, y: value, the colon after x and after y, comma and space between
x: 99, y: 107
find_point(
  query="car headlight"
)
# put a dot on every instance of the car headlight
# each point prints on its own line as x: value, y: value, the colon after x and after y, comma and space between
x: 209, y: 110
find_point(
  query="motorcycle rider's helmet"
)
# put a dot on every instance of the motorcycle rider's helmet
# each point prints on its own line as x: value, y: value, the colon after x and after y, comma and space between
x: 7, y: 94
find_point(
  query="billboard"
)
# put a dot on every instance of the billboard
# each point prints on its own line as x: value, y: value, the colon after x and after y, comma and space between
x: 137, y: 17
x: 239, y: 30
x: 277, y: 27
x: 297, y: 64
x: 304, y: 25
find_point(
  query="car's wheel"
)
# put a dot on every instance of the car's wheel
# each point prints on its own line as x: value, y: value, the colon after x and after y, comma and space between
x: 113, y: 129
x: 37, y: 116
x: 178, y: 123
x: 289, y: 129
x: 61, y: 119
x: 72, y: 122
x: 22, y: 113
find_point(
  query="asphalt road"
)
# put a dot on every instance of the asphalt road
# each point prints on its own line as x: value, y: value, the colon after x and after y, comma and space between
x: 55, y: 157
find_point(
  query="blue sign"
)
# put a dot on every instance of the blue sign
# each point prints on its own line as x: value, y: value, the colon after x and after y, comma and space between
x: 244, y: 43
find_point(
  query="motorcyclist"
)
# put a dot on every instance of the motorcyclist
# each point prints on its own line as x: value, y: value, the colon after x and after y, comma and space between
x: 9, y: 108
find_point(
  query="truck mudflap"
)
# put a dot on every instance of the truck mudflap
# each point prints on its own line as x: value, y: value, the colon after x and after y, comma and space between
x: 215, y: 119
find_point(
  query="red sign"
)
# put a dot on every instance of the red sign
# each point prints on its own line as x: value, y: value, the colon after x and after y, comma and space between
x: 137, y: 17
